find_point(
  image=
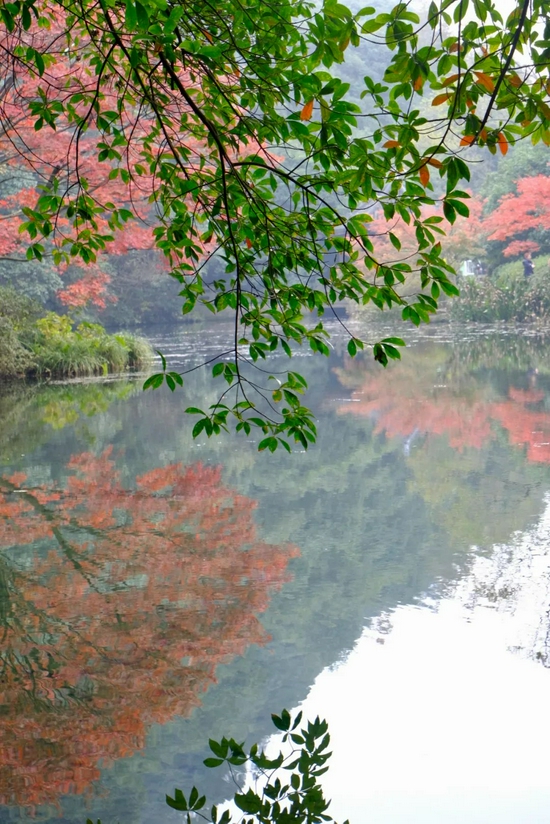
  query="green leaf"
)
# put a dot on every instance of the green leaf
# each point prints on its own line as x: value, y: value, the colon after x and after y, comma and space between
x: 248, y: 802
x: 154, y: 381
x: 395, y: 341
x: 178, y: 802
x: 130, y: 15
x: 213, y: 762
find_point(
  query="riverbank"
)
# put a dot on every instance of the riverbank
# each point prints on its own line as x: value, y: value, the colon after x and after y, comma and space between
x: 52, y: 346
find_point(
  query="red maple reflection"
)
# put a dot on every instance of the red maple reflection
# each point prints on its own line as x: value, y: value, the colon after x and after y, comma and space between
x: 119, y: 616
x: 400, y: 404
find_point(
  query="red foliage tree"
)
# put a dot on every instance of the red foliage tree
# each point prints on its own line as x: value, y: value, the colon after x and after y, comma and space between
x: 31, y: 159
x: 524, y: 211
x: 119, y: 616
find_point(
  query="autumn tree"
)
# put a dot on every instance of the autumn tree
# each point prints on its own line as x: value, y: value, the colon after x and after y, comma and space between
x: 521, y: 221
x: 232, y: 123
x: 117, y: 605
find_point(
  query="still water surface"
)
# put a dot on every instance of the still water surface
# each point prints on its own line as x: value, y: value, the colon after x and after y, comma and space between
x: 155, y: 591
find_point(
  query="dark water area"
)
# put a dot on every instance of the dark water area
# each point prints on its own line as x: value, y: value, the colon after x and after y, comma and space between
x: 156, y: 591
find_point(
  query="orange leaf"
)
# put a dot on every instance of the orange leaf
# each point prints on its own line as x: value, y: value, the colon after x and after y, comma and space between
x: 307, y: 111
x: 454, y: 47
x: 418, y: 83
x: 434, y: 162
x: 424, y: 175
x: 515, y: 81
x: 467, y: 140
x: 391, y: 144
x: 450, y: 79
x: 248, y: 243
x: 485, y: 81
x: 503, y: 143
x: 441, y: 98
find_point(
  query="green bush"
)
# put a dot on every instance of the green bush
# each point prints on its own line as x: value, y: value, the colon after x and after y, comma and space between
x: 17, y: 317
x: 63, y: 351
x: 513, y: 270
x: 508, y: 297
x: 51, y: 346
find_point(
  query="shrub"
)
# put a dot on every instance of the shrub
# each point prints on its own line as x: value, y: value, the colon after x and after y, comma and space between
x: 17, y: 316
x: 62, y: 351
x: 510, y: 297
x: 140, y: 354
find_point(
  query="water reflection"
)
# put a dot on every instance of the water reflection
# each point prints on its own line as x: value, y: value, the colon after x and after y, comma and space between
x: 117, y: 605
x: 133, y: 574
x: 437, y: 391
x: 452, y: 703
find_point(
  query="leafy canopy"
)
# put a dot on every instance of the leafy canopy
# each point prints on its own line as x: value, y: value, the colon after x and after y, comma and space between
x: 229, y: 119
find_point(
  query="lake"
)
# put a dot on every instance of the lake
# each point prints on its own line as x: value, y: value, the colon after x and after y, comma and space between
x: 157, y: 591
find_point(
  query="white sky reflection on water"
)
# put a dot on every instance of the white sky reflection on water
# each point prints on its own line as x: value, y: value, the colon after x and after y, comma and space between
x: 448, y: 720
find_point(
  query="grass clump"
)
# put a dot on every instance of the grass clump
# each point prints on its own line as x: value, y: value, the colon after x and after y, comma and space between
x: 52, y: 346
x: 506, y: 296
x: 62, y: 351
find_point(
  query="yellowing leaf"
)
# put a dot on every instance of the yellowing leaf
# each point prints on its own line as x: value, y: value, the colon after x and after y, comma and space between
x: 485, y: 81
x: 515, y: 81
x: 418, y: 83
x: 436, y: 163
x: 441, y: 98
x: 544, y: 108
x: 391, y: 144
x: 450, y: 79
x: 307, y: 111
x: 424, y: 175
x: 503, y: 143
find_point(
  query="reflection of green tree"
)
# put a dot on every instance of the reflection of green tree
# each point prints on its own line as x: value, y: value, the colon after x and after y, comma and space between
x: 479, y: 496
x: 28, y: 414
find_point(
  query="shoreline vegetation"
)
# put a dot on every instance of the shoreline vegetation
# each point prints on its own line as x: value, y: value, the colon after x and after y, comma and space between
x: 44, y: 346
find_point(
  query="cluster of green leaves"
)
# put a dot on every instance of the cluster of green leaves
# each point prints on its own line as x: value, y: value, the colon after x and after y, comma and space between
x: 286, y: 787
x: 258, y: 159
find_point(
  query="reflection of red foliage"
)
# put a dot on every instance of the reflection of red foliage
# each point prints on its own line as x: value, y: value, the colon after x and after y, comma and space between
x: 120, y: 617
x: 401, y: 406
x: 526, y: 428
